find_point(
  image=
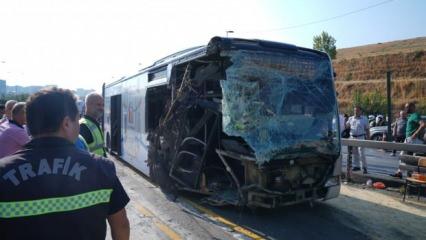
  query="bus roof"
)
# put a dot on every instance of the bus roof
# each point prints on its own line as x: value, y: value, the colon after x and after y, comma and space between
x: 217, y: 44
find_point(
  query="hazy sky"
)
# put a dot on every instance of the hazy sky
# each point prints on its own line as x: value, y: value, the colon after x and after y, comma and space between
x: 84, y: 43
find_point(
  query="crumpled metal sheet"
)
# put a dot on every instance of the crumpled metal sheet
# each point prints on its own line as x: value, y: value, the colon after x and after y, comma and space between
x: 279, y: 103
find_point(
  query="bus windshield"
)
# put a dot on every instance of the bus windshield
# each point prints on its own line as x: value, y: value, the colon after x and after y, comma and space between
x: 282, y: 104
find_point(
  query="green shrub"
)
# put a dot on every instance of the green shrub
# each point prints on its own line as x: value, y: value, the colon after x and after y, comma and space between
x: 371, y: 103
x: 421, y: 108
x: 418, y: 54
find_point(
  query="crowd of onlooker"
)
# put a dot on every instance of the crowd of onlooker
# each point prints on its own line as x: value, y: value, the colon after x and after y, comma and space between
x: 376, y: 121
x: 409, y: 127
x: 14, y: 133
x: 54, y: 178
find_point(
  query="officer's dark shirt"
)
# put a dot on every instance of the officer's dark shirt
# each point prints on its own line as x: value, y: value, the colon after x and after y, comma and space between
x: 85, y: 131
x: 55, y: 180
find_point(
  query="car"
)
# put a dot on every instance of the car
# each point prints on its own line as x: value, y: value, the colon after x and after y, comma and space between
x: 377, y: 133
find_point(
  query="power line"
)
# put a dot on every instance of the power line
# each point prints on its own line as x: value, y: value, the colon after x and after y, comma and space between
x: 326, y: 19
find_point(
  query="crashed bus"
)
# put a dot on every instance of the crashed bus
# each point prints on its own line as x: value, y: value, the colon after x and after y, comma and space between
x: 243, y: 122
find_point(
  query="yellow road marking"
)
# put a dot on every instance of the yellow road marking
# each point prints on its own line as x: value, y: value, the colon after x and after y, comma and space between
x: 144, y: 210
x: 158, y: 223
x: 248, y: 233
x: 228, y: 223
x: 168, y: 231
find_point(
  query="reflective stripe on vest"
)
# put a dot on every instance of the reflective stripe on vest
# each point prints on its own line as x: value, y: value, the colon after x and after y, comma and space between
x: 97, y: 146
x: 53, y: 205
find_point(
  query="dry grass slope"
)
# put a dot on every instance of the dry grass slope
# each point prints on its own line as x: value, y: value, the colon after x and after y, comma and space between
x: 402, y: 46
x: 364, y: 68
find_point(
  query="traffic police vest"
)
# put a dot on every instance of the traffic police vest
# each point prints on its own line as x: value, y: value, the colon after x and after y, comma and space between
x: 97, y: 146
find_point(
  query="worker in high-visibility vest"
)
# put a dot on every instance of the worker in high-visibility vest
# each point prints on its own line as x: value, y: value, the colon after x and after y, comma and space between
x: 90, y: 128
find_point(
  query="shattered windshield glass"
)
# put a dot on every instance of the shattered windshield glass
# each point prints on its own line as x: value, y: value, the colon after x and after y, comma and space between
x: 281, y: 104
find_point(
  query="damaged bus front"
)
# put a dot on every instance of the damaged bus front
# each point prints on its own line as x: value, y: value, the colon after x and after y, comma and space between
x: 248, y: 123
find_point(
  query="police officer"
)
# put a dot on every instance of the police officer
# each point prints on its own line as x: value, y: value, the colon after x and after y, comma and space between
x: 51, y: 189
x: 90, y: 129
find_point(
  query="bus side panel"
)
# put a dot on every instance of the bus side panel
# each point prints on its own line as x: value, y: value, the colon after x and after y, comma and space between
x: 134, y: 142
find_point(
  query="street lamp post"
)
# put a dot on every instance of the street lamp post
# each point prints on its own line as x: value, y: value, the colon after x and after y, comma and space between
x: 227, y: 32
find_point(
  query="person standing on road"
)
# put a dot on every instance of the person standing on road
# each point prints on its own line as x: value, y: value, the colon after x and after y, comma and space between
x: 13, y: 135
x: 8, y: 111
x: 345, y: 133
x: 51, y: 189
x: 399, y: 129
x: 90, y: 128
x: 359, y: 129
x: 415, y: 125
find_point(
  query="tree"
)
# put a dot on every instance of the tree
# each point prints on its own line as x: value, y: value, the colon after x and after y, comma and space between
x: 21, y: 97
x: 326, y: 43
x: 370, y: 102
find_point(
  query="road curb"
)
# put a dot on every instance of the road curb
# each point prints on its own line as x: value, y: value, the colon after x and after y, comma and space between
x: 390, y: 182
x: 359, y: 177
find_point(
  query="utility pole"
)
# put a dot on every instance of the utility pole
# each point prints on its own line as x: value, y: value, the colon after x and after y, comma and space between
x: 388, y: 88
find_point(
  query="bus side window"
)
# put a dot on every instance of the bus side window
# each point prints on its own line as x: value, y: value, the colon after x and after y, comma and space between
x: 156, y: 100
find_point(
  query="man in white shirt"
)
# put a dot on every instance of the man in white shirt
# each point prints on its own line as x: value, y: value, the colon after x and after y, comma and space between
x: 360, y: 129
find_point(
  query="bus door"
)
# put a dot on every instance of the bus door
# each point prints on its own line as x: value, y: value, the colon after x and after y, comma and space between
x: 116, y: 114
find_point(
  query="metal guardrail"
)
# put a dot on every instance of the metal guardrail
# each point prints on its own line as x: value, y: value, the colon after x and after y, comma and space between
x: 417, y: 148
x: 407, y: 162
x: 410, y: 160
x: 411, y: 163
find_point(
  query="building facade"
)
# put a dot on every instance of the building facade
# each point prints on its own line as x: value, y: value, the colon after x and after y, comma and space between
x: 2, y: 87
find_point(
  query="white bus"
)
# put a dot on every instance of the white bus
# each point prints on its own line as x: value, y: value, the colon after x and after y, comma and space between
x: 243, y: 122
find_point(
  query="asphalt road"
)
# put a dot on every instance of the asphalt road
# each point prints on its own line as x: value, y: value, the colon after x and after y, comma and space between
x: 356, y: 214
x: 378, y: 161
x: 322, y: 221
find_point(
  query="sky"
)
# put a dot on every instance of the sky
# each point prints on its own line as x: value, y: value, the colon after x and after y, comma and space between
x: 85, y: 43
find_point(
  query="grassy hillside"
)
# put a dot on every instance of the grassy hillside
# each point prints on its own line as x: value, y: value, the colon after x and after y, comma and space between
x: 402, y: 46
x: 364, y: 69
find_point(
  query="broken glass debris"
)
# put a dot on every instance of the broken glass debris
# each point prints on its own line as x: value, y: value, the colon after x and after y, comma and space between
x: 281, y: 104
